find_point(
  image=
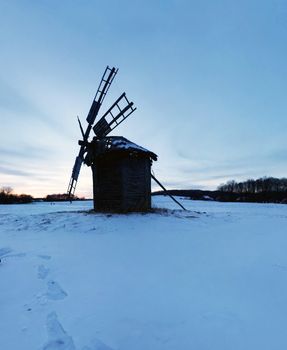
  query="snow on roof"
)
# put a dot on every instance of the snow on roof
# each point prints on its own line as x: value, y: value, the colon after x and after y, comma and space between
x: 121, y: 143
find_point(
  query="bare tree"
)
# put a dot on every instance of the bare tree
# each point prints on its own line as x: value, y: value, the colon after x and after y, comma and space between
x: 264, y: 184
x: 6, y: 190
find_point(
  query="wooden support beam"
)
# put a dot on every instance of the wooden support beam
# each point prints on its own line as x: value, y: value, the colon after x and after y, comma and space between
x: 166, y: 192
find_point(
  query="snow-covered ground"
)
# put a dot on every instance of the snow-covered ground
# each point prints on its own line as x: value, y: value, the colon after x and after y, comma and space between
x: 214, y: 277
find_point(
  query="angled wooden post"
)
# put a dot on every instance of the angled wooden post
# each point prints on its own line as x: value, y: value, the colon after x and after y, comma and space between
x: 166, y: 192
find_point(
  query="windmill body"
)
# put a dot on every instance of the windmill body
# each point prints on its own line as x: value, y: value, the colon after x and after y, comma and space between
x: 121, y: 169
x: 121, y: 174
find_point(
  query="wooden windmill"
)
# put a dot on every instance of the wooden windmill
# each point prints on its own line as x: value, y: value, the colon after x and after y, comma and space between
x: 121, y: 169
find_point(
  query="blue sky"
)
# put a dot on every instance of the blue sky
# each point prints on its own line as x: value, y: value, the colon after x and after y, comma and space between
x: 208, y: 78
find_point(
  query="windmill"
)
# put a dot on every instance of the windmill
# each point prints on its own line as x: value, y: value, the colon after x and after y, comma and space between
x: 121, y: 169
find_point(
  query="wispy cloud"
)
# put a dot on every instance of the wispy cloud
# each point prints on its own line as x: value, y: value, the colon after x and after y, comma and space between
x: 25, y: 151
x: 12, y: 171
x: 11, y: 99
x: 16, y: 102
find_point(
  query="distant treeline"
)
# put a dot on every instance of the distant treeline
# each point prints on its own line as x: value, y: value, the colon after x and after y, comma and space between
x: 263, y: 190
x: 7, y: 197
x: 261, y: 185
x: 61, y: 197
x: 221, y: 196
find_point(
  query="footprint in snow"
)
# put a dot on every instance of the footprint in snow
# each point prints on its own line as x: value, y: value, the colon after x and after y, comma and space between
x: 97, y: 344
x: 57, y: 337
x: 45, y: 257
x: 18, y: 255
x: 42, y: 272
x: 4, y: 251
x: 55, y: 292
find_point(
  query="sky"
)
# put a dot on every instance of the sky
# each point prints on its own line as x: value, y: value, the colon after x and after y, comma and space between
x: 208, y: 79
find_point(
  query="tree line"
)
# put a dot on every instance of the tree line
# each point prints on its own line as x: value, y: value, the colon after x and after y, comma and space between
x: 261, y: 185
x: 7, y: 197
x: 61, y: 197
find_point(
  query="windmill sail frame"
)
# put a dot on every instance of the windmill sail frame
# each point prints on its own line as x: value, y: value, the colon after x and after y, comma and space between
x: 105, y: 83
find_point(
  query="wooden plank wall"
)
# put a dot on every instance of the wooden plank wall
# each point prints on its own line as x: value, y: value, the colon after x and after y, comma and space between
x: 136, y: 184
x: 122, y: 184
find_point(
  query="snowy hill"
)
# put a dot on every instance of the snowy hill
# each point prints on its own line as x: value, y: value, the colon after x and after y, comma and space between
x: 214, y: 277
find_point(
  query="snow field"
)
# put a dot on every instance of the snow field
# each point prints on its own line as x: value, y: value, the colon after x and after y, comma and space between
x: 214, y: 277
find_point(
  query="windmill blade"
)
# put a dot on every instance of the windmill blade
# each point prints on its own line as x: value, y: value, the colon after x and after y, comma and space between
x: 114, y: 116
x: 74, y: 177
x: 81, y: 128
x: 106, y: 81
x: 103, y: 88
x: 77, y: 168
